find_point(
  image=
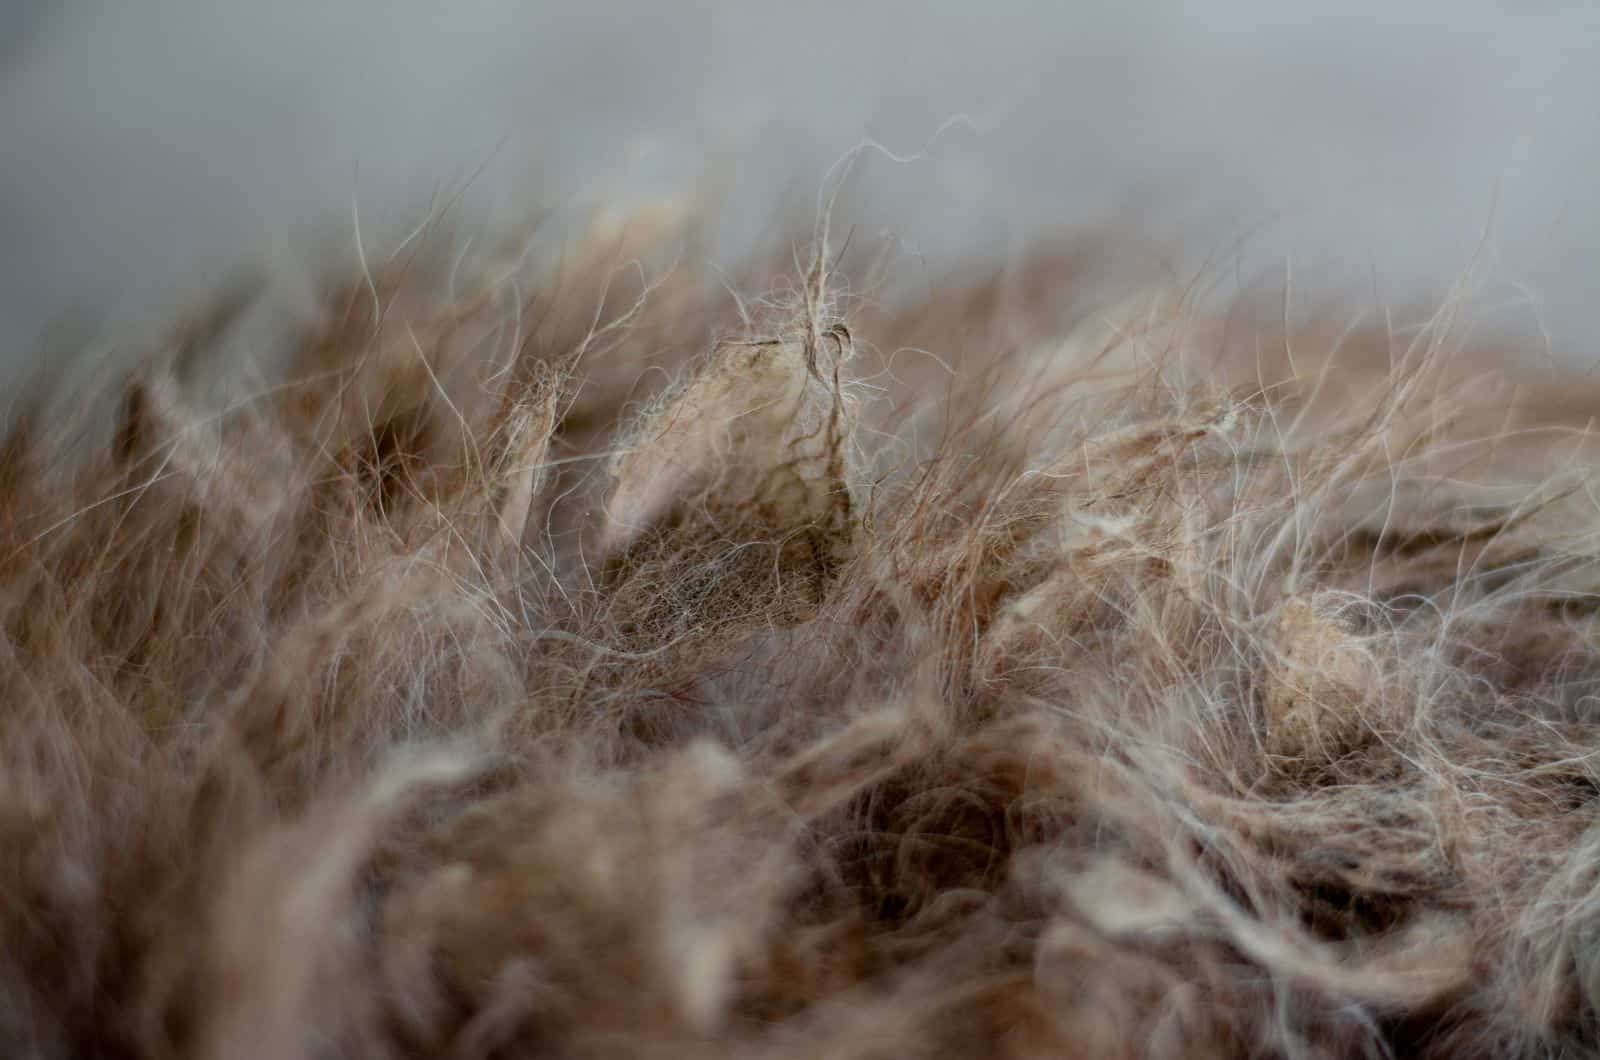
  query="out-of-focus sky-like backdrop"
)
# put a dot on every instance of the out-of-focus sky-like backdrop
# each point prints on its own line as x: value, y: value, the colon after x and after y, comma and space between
x: 147, y: 144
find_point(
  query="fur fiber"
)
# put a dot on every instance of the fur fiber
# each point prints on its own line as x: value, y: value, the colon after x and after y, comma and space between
x: 584, y: 661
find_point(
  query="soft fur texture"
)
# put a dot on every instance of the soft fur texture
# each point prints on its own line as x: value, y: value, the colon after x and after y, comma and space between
x: 1011, y: 671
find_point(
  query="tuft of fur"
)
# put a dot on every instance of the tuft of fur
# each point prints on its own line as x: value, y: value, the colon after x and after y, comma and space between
x: 1016, y: 673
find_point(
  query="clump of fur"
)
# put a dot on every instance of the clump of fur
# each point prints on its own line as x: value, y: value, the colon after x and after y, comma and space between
x: 1319, y: 687
x: 991, y: 677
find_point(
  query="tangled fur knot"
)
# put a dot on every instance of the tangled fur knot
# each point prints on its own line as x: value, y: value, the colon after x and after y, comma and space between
x: 549, y: 670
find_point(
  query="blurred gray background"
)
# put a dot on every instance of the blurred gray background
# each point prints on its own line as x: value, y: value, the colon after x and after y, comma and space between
x: 148, y: 145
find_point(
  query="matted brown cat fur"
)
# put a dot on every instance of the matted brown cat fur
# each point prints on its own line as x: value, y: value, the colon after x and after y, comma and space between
x: 588, y: 660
